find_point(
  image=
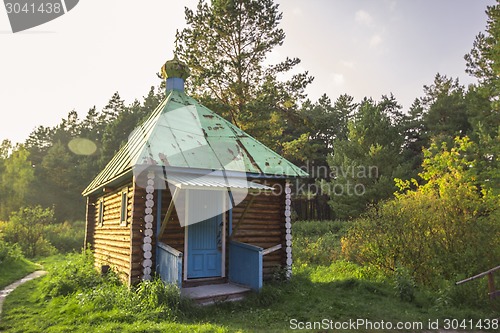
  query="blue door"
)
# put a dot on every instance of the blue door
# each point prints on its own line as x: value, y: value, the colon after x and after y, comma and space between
x: 204, y: 252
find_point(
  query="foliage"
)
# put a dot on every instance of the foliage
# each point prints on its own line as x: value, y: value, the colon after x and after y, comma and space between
x: 9, y: 252
x: 67, y: 236
x: 318, y: 228
x: 25, y: 227
x: 317, y: 242
x: 78, y: 276
x: 75, y: 274
x: 446, y: 110
x: 323, y: 122
x: 404, y: 284
x: 13, y: 265
x: 365, y: 163
x: 445, y: 227
x: 483, y: 62
x: 16, y: 175
x: 225, y: 44
x: 59, y: 173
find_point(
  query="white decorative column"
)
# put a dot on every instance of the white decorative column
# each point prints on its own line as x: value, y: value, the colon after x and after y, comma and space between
x: 148, y: 228
x: 288, y: 226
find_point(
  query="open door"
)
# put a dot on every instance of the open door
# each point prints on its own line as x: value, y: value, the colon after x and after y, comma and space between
x: 204, y: 248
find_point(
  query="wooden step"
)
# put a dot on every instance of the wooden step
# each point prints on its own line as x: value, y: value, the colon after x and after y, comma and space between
x: 203, y: 282
x: 211, y: 294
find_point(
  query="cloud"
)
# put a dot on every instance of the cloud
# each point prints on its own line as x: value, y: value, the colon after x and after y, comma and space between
x: 348, y: 64
x: 337, y: 79
x: 297, y: 11
x: 392, y: 4
x: 375, y: 40
x: 363, y: 17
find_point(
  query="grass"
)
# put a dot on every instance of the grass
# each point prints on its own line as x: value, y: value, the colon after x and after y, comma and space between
x: 12, y: 271
x: 328, y: 289
x: 334, y: 292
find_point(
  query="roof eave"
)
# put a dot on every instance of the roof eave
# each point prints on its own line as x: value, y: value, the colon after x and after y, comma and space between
x: 112, y: 182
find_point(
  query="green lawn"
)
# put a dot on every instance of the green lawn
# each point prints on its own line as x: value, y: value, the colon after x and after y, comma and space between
x: 328, y: 289
x: 12, y: 271
x: 316, y: 293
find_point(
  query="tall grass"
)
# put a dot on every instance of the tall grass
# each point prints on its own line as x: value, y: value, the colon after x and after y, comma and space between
x: 78, y: 277
x: 317, y: 242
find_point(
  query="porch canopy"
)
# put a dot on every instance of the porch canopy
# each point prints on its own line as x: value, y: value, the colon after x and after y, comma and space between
x: 213, y: 182
x: 206, y: 195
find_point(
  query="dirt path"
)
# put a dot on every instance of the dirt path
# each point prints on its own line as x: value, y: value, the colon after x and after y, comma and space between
x: 7, y: 290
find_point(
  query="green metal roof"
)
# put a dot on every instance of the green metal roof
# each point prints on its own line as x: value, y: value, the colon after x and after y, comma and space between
x: 183, y: 133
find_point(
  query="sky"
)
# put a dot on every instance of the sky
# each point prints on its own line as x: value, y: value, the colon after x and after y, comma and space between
x: 364, y: 48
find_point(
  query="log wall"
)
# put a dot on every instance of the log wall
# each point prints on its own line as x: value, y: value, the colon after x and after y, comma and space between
x: 264, y: 224
x: 174, y: 233
x: 110, y: 241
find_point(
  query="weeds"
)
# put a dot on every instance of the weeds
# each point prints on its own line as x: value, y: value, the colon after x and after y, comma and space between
x: 404, y: 284
x: 9, y: 252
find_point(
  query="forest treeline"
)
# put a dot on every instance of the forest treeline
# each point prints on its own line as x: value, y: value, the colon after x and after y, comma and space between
x: 225, y: 44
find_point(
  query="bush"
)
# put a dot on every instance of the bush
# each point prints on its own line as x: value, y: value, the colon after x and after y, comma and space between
x: 37, y: 233
x: 9, y: 252
x: 25, y: 228
x: 318, y: 228
x: 317, y: 242
x: 66, y: 237
x: 444, y: 228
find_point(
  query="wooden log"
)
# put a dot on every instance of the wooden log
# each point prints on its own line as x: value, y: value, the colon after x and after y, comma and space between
x: 242, y: 216
x: 258, y: 232
x: 113, y: 233
x: 491, y: 285
x: 123, y: 265
x: 257, y: 240
x: 113, y: 244
x: 112, y: 252
x: 478, y: 275
x: 257, y: 227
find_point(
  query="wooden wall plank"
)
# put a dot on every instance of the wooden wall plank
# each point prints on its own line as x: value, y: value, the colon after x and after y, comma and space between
x: 111, y: 241
x: 264, y: 224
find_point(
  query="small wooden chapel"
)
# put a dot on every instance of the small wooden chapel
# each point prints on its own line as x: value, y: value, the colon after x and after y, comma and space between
x: 191, y: 198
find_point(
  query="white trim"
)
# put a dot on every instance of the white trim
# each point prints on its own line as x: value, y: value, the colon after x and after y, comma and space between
x: 271, y: 249
x: 223, y: 231
x: 124, y: 209
x: 148, y: 231
x: 186, y: 219
x: 288, y: 229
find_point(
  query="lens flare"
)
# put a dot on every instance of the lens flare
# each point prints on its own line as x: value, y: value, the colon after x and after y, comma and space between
x: 82, y: 146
